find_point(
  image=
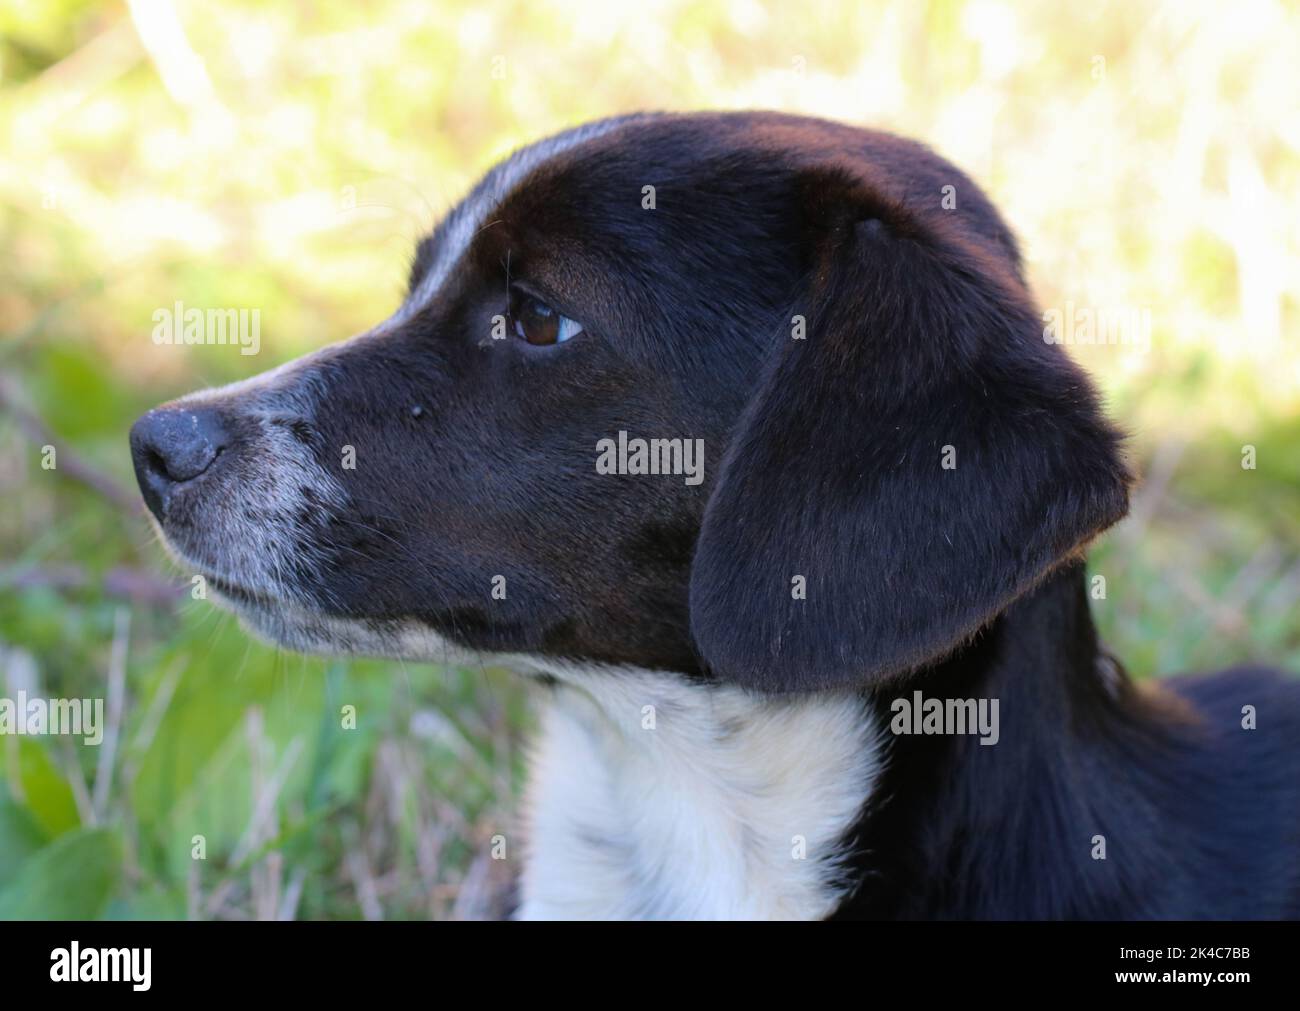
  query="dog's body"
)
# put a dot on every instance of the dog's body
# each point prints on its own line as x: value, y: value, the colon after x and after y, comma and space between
x: 700, y: 819
x: 900, y: 475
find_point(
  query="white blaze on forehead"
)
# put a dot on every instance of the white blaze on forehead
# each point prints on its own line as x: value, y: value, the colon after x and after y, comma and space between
x: 284, y: 377
x: 464, y: 221
x: 474, y: 212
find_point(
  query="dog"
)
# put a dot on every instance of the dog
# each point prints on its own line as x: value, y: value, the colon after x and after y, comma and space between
x: 740, y: 434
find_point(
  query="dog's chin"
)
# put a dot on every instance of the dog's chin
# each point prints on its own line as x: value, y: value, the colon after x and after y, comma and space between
x: 294, y: 626
x: 303, y: 627
x: 283, y: 623
x: 280, y: 624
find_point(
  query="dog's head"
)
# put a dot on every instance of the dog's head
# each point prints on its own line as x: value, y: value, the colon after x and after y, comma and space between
x: 821, y: 333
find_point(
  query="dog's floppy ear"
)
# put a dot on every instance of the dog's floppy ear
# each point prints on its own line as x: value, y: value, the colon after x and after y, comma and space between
x: 914, y: 461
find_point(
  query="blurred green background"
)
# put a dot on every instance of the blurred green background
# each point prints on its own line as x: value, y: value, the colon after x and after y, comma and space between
x: 285, y: 157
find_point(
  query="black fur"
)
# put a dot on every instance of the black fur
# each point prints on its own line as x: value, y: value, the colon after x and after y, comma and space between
x: 1199, y: 816
x: 916, y: 341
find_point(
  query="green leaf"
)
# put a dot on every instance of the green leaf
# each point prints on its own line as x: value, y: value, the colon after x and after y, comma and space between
x: 72, y: 878
x: 20, y: 838
x: 149, y: 904
x: 47, y: 793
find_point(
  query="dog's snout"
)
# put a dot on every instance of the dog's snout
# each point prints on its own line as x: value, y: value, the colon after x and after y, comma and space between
x: 172, y: 445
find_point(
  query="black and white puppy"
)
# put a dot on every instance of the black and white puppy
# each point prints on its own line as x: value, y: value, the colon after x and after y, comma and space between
x: 899, y: 476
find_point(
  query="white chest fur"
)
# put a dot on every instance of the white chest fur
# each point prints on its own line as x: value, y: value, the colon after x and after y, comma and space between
x: 653, y: 798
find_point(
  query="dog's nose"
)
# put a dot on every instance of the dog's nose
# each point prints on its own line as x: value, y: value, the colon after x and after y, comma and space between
x: 171, y: 445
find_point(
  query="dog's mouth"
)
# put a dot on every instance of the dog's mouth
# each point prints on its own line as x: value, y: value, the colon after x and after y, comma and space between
x: 282, y: 615
x: 290, y: 623
x: 250, y: 602
x: 272, y: 617
x: 238, y: 592
x: 241, y: 595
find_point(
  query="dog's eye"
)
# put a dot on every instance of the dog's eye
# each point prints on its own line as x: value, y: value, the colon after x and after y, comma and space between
x: 537, y: 323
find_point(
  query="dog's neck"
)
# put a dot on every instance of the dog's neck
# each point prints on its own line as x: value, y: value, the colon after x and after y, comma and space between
x: 1052, y: 822
x: 657, y: 797
x: 653, y: 797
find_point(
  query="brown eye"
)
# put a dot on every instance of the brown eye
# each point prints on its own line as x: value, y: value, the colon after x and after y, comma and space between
x: 537, y: 323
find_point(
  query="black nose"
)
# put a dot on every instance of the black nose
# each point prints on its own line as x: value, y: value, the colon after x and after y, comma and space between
x: 171, y: 445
